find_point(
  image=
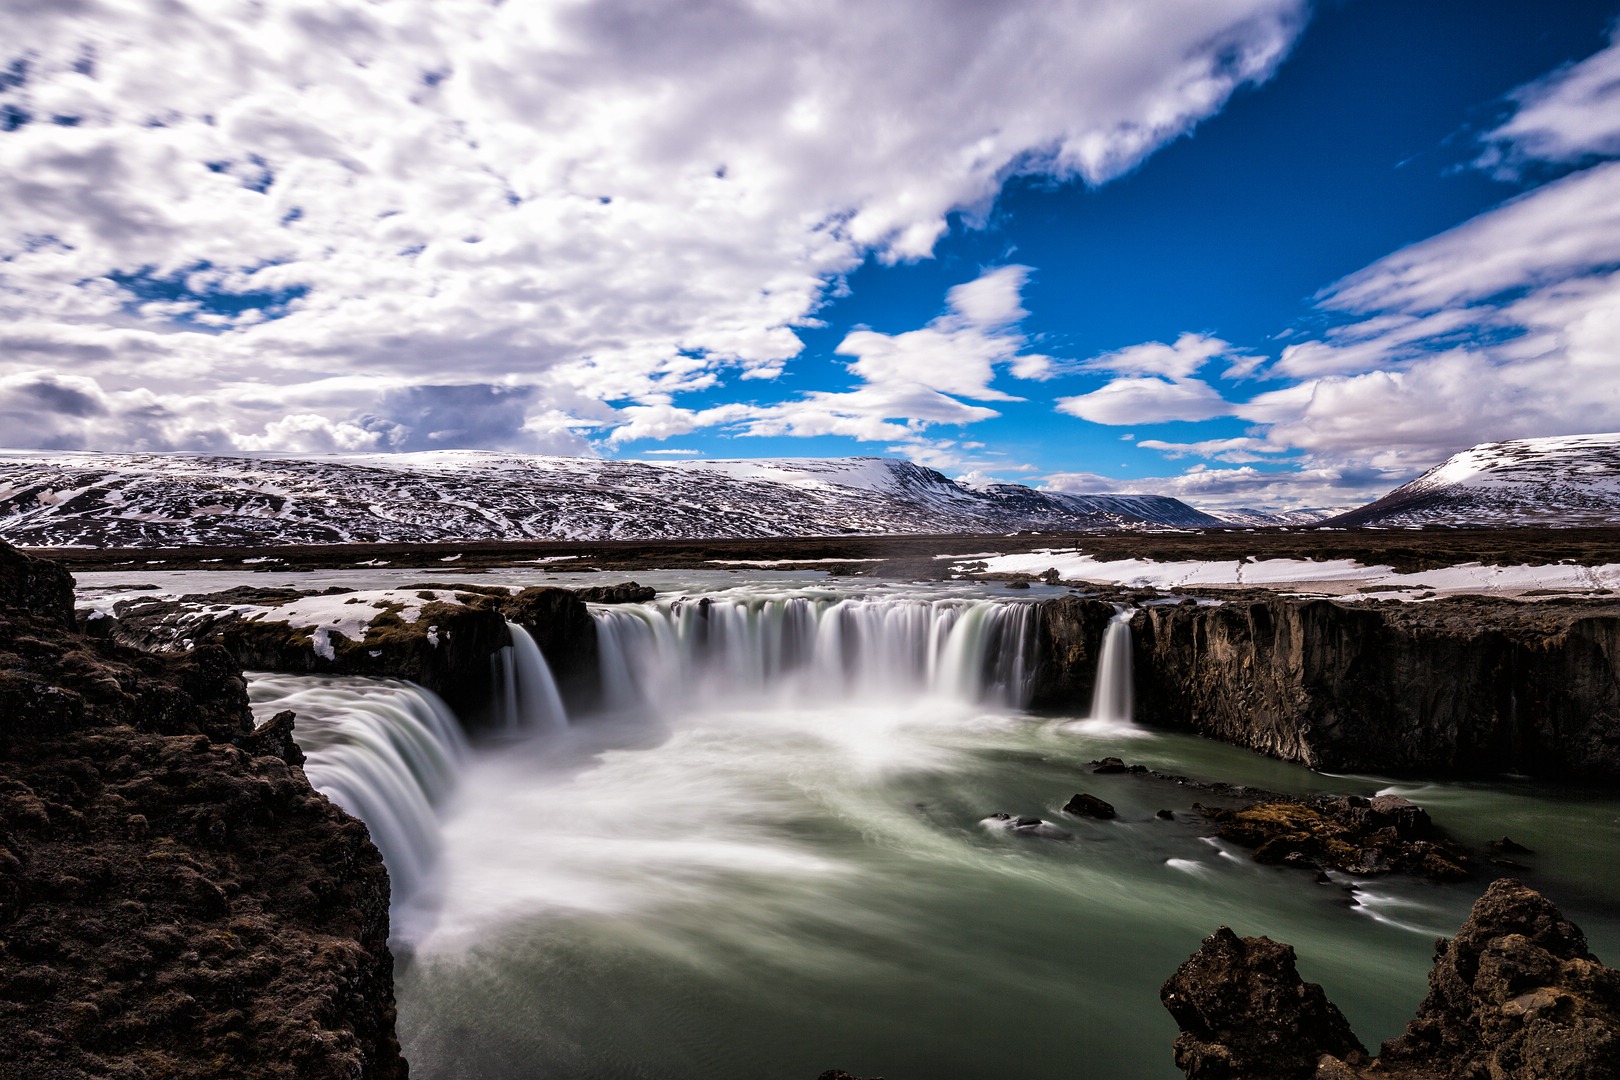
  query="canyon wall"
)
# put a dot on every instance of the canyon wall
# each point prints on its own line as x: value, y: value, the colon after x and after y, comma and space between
x: 1464, y: 686
x: 175, y: 899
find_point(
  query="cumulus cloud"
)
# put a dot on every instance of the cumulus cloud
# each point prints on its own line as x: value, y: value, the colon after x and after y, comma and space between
x: 1178, y: 360
x: 1147, y: 400
x: 908, y: 382
x: 604, y: 201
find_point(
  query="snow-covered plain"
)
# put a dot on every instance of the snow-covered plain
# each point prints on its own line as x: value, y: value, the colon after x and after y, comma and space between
x: 1343, y: 578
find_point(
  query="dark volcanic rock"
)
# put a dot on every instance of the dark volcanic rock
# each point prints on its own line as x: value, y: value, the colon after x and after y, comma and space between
x: 175, y: 900
x: 36, y: 587
x: 1245, y: 1014
x: 1084, y: 805
x: 1515, y: 995
x: 1346, y: 832
x: 626, y: 592
x: 1027, y: 826
x: 1068, y: 642
x: 1468, y: 685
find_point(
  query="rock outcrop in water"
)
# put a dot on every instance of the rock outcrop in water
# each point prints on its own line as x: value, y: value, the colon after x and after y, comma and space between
x: 1515, y: 994
x: 1245, y: 1012
x: 1345, y: 832
x: 1462, y: 686
x: 175, y: 900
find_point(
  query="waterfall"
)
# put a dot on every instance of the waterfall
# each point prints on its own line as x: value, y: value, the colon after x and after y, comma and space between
x: 387, y: 751
x: 1111, y: 698
x: 526, y: 696
x: 826, y: 648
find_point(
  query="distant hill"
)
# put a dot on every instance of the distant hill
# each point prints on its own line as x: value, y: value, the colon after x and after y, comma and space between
x: 50, y: 499
x: 1254, y: 516
x: 1571, y: 480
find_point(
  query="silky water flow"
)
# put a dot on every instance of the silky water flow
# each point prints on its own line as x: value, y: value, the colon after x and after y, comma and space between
x: 764, y: 852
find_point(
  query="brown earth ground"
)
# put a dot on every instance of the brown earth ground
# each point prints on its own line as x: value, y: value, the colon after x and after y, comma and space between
x: 913, y: 557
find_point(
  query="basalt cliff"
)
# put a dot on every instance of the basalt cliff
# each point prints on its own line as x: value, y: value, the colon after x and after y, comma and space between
x: 1461, y: 686
x: 175, y: 899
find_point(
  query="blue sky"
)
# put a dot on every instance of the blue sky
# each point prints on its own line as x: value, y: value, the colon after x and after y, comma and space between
x: 1246, y: 252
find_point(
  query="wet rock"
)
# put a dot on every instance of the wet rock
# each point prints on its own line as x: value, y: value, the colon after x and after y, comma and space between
x: 1516, y: 994
x: 1084, y: 805
x: 1108, y: 765
x: 1245, y: 1012
x: 1068, y: 642
x: 274, y: 737
x: 1506, y: 846
x: 627, y: 592
x: 1026, y: 826
x: 1349, y: 833
x: 1165, y: 815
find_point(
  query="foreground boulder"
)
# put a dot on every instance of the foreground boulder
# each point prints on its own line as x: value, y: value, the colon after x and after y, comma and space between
x: 1515, y: 994
x: 1245, y: 1012
x: 175, y: 899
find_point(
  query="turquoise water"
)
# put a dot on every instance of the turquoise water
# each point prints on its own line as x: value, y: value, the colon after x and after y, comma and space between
x: 769, y: 892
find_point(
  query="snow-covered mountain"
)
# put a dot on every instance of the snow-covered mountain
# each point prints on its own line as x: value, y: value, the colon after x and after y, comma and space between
x: 1260, y: 516
x: 1568, y: 480
x: 50, y: 499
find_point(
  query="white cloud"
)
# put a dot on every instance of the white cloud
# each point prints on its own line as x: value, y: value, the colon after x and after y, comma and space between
x: 1507, y: 326
x: 1235, y: 451
x: 1567, y: 117
x: 909, y: 381
x: 1147, y: 400
x: 600, y: 201
x: 1558, y: 231
x: 1179, y: 360
x: 1230, y: 489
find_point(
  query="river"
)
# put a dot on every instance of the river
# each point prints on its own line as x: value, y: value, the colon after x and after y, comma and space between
x: 767, y: 854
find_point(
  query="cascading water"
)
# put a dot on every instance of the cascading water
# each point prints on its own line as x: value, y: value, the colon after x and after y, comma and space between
x: 526, y: 695
x: 1112, y: 698
x: 387, y: 751
x: 870, y: 648
x: 764, y: 856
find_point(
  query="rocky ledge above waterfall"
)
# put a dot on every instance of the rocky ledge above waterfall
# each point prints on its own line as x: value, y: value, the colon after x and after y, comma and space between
x: 437, y: 635
x: 175, y: 900
x: 1461, y: 686
x: 1515, y: 994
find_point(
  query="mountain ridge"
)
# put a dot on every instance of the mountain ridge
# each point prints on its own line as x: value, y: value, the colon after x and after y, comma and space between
x: 79, y: 499
x: 1567, y: 480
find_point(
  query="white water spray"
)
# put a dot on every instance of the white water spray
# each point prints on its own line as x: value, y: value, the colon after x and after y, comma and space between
x: 385, y: 750
x: 1112, y: 698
